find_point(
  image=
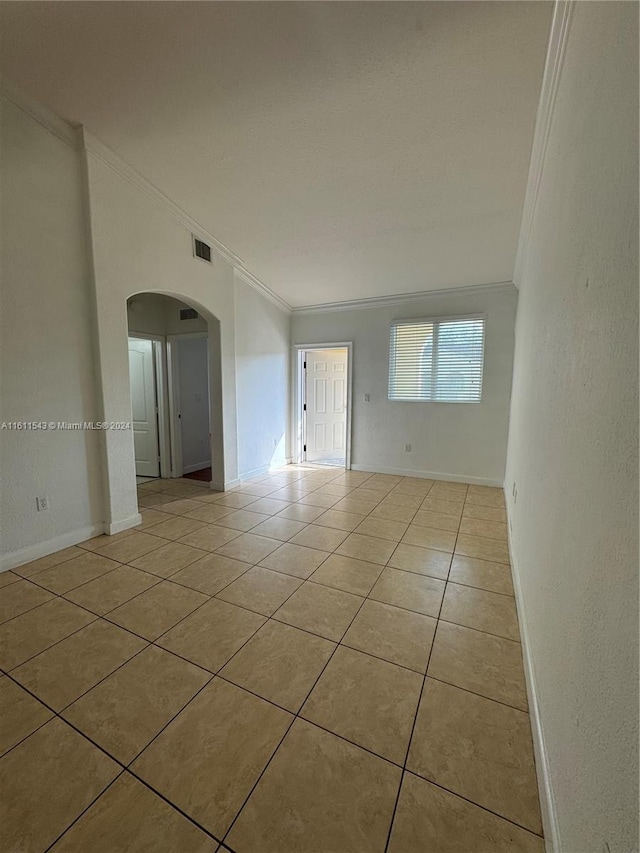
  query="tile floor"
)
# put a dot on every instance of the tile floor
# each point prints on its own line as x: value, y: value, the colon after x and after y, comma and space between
x: 317, y: 661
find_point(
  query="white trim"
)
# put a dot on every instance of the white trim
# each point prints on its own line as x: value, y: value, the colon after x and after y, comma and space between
x: 40, y: 114
x: 111, y: 528
x: 256, y: 284
x: 558, y: 38
x: 248, y: 475
x: 543, y: 772
x: 297, y: 417
x: 224, y: 487
x: 33, y: 552
x: 429, y: 475
x: 189, y: 469
x: 402, y: 298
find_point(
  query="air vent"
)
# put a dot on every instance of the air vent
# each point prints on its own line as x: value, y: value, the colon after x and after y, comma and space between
x: 188, y: 314
x: 201, y: 250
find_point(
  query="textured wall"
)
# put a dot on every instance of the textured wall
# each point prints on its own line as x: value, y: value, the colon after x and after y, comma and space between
x: 573, y: 437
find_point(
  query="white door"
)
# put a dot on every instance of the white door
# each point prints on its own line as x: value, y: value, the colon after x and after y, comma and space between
x: 143, y: 407
x: 326, y: 406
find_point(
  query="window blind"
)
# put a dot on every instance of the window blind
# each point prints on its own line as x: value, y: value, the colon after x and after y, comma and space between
x: 437, y: 360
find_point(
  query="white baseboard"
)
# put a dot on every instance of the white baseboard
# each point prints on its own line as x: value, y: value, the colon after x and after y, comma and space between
x: 428, y: 475
x: 42, y: 549
x: 111, y: 528
x: 189, y: 469
x: 547, y: 800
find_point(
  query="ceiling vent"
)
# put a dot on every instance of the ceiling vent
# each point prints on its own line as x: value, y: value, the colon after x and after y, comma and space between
x: 188, y: 314
x: 201, y: 250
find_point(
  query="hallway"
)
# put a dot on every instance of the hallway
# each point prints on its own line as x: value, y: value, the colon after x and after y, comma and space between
x: 318, y: 660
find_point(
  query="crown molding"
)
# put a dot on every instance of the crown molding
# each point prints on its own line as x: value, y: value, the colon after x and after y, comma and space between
x: 40, y: 114
x: 265, y: 291
x: 558, y: 37
x: 402, y: 298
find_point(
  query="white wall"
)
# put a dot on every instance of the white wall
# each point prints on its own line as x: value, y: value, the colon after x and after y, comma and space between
x: 262, y: 373
x: 464, y: 441
x: 47, y: 370
x: 573, y: 445
x: 193, y: 381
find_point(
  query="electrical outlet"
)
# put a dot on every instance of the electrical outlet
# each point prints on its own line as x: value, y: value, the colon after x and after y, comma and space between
x: 42, y: 503
x: 407, y: 448
x: 275, y: 443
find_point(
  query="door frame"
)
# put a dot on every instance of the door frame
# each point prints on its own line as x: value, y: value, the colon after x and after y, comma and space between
x: 174, y: 395
x: 298, y: 418
x: 160, y: 381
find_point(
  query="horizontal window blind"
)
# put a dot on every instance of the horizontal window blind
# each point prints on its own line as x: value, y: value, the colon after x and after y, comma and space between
x: 437, y: 360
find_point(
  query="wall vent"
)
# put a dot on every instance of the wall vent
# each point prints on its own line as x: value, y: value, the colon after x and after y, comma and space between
x: 188, y: 314
x: 201, y: 250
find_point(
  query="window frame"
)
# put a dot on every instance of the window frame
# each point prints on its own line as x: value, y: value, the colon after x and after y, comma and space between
x: 435, y: 321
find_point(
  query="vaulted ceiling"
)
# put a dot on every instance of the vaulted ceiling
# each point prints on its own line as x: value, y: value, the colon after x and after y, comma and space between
x: 342, y: 149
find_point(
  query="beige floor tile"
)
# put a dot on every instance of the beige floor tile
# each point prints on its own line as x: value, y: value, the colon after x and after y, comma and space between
x: 319, y: 794
x: 7, y: 578
x: 260, y: 590
x: 211, y: 573
x: 482, y: 610
x: 357, y: 576
x: 393, y: 512
x: 295, y: 560
x: 33, y: 632
x: 481, y: 663
x: 289, y: 493
x: 208, y: 770
x: 47, y: 781
x: 242, y: 519
x: 482, y: 549
x: 397, y: 635
x: 478, y: 749
x: 131, y: 547
x: 320, y: 610
x: 209, y: 512
x: 495, y: 577
x: 405, y: 589
x: 250, y: 548
x: 430, y: 537
x: 151, y: 517
x: 168, y: 559
x: 459, y: 489
x: 154, y: 500
x: 368, y: 548
x: 355, y: 506
x: 212, y: 634
x: 339, y: 520
x: 73, y: 573
x: 301, y: 512
x: 181, y: 506
x: 276, y: 527
x: 65, y: 671
x: 406, y: 499
x: 488, y: 529
x: 486, y: 496
x: 320, y: 538
x: 428, y: 818
x: 269, y: 505
x: 280, y: 663
x: 437, y: 520
x: 20, y: 597
x: 32, y: 568
x: 487, y: 513
x: 256, y: 490
x: 363, y: 493
x: 113, y: 589
x: 126, y: 710
x: 129, y: 817
x: 232, y: 500
x: 421, y: 561
x: 20, y: 714
x: 382, y: 528
x: 432, y: 504
x: 315, y: 499
x: 210, y: 537
x: 368, y: 701
x: 175, y: 528
x: 155, y: 611
x: 186, y: 489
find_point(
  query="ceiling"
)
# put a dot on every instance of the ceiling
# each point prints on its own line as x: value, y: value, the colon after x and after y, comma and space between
x: 343, y: 150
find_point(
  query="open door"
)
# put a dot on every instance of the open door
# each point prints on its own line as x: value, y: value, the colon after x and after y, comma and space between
x: 144, y: 407
x: 325, y: 400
